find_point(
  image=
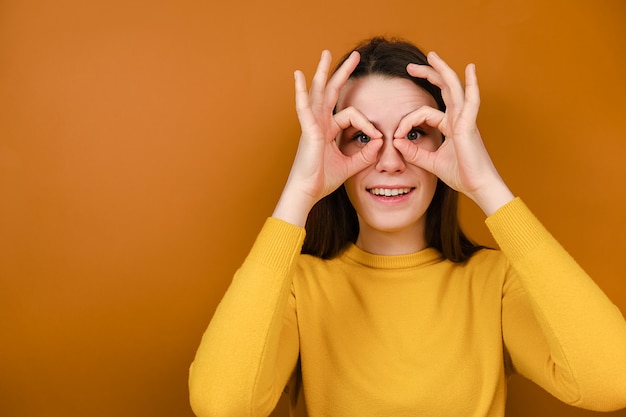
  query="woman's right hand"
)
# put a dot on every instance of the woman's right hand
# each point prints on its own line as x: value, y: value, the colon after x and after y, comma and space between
x: 319, y: 167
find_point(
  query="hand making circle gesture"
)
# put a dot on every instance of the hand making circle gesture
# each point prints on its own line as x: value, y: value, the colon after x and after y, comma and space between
x: 320, y: 167
x: 461, y: 161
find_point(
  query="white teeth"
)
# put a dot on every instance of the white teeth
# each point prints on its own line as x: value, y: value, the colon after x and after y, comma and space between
x: 389, y: 192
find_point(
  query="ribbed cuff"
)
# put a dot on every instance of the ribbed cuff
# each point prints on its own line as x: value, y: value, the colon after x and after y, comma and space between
x: 516, y: 230
x: 277, y: 244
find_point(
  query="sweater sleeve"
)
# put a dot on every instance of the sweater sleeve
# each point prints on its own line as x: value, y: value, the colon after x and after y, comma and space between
x: 250, y: 347
x: 559, y: 328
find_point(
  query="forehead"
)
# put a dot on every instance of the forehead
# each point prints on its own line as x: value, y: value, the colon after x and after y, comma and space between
x: 379, y: 97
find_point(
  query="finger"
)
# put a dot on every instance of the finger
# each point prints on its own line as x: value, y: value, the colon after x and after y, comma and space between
x: 449, y: 76
x: 423, y: 115
x: 441, y: 75
x: 302, y: 101
x: 472, y: 94
x: 415, y: 155
x: 352, y: 117
x: 339, y: 78
x: 364, y: 158
x: 430, y: 74
x: 427, y: 72
x: 302, y: 96
x: 318, y: 84
x: 452, y: 87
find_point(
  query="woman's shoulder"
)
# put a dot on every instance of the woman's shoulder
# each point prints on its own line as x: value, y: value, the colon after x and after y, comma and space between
x: 307, y: 262
x: 486, y: 255
x: 488, y: 262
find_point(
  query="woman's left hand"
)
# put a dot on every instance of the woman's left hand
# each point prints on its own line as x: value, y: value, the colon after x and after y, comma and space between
x: 462, y: 161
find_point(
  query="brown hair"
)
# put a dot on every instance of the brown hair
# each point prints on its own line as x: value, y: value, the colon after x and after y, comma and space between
x: 332, y: 223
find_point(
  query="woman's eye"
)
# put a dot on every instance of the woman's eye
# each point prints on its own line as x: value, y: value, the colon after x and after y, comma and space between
x: 414, y: 134
x: 361, y: 138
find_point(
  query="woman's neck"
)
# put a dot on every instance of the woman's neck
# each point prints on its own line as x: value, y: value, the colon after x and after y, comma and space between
x: 402, y: 242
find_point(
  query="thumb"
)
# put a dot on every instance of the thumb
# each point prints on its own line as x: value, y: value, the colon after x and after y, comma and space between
x: 415, y: 155
x: 366, y: 157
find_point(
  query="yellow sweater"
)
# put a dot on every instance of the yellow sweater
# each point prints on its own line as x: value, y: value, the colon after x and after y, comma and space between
x: 411, y: 335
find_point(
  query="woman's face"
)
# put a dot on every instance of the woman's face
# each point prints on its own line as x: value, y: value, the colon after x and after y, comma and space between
x: 391, y: 196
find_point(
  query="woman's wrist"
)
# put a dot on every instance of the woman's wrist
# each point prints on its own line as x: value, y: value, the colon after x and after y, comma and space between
x: 493, y: 196
x: 293, y: 207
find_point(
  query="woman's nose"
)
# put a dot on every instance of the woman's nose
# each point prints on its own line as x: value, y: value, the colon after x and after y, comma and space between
x: 389, y: 158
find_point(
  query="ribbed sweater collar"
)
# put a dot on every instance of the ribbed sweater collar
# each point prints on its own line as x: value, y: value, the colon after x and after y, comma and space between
x: 412, y: 260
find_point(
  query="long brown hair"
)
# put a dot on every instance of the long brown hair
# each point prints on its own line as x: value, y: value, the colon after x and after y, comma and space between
x: 332, y: 223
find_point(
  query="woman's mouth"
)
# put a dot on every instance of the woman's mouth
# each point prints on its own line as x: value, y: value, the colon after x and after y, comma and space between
x: 389, y: 192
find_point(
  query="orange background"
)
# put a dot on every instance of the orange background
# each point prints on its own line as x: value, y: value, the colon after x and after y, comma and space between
x: 142, y: 144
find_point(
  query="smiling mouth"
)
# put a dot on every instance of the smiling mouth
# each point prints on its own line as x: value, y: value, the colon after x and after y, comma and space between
x: 389, y: 192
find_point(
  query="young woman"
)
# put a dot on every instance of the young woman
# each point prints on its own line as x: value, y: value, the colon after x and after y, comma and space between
x: 362, y: 290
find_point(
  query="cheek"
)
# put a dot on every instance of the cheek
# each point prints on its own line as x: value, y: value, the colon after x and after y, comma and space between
x: 353, y: 188
x: 432, y: 187
x: 428, y: 182
x: 429, y: 178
